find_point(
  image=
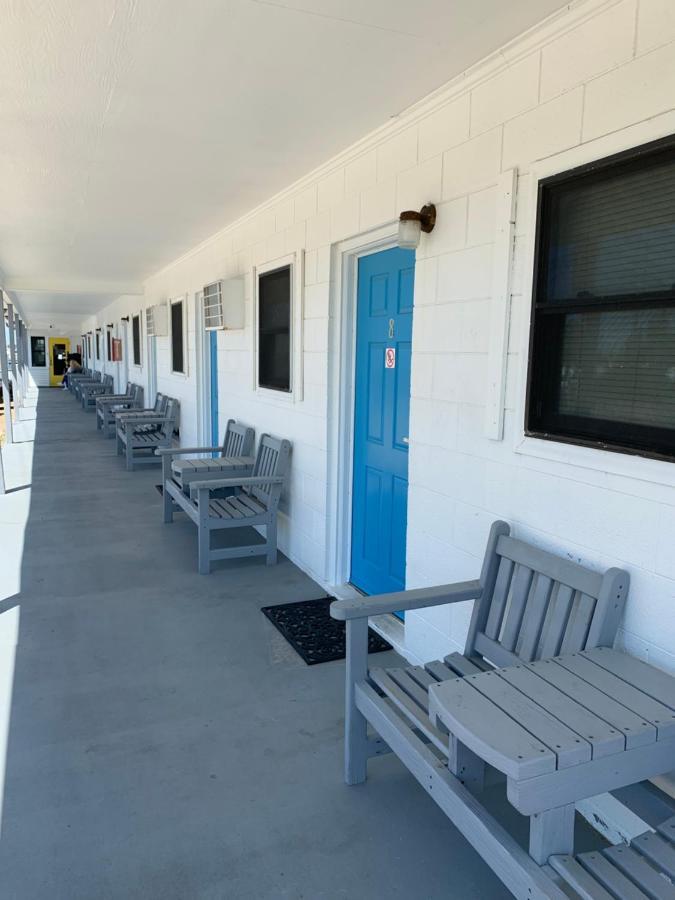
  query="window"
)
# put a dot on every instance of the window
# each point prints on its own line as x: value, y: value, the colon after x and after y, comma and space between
x: 602, y: 361
x: 274, y: 329
x: 38, y: 352
x: 177, y: 337
x: 109, y: 342
x: 136, y: 338
x: 98, y: 345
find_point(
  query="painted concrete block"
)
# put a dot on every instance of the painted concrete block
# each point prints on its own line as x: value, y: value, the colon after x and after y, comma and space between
x: 396, y: 154
x: 655, y: 24
x: 630, y: 94
x: 473, y: 165
x: 548, y: 129
x: 446, y: 127
x: 512, y: 92
x: 361, y: 173
x: 598, y: 45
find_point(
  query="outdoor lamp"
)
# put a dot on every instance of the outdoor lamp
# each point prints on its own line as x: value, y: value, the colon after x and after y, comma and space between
x: 411, y: 224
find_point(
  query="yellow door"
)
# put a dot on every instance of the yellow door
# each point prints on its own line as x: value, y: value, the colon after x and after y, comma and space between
x: 59, y: 348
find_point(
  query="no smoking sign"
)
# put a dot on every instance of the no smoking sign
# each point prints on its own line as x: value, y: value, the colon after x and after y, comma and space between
x: 390, y: 358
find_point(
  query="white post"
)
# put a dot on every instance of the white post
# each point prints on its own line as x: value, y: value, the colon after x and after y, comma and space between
x: 12, y: 358
x: 4, y: 374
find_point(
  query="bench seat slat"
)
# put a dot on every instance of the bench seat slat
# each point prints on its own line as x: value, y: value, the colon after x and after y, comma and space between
x: 657, y: 850
x: 578, y: 878
x: 667, y: 829
x: 569, y: 747
x: 603, y: 738
x: 654, y: 712
x: 610, y: 877
x: 632, y: 726
x: 646, y: 678
x: 490, y: 732
x: 409, y: 708
x: 640, y: 872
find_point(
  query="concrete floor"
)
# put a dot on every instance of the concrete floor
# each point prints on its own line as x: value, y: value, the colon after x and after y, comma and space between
x: 164, y: 741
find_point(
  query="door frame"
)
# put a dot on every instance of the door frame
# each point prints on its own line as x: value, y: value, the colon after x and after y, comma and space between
x: 341, y: 381
x: 203, y: 380
x: 51, y: 341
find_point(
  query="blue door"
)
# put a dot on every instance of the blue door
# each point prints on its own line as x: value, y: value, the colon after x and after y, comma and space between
x: 381, y: 413
x: 213, y: 387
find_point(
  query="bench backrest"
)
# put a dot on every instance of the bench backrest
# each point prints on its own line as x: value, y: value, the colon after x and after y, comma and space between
x: 108, y: 381
x: 170, y: 414
x: 238, y: 440
x: 536, y: 605
x: 136, y: 393
x: 273, y: 459
x: 161, y: 401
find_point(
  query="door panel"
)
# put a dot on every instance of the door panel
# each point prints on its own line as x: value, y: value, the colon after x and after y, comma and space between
x: 59, y: 348
x: 381, y: 416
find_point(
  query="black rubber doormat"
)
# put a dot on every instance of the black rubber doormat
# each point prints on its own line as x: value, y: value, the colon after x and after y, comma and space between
x: 309, y: 629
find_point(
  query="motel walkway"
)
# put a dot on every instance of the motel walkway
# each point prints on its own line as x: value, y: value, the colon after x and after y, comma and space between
x: 164, y: 741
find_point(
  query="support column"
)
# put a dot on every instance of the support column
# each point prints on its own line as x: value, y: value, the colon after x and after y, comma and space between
x: 13, y: 359
x: 4, y: 375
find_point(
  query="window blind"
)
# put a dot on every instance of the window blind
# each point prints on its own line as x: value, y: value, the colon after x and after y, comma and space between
x: 602, y: 368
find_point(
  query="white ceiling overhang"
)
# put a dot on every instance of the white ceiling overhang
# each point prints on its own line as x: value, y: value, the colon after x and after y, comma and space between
x: 133, y: 129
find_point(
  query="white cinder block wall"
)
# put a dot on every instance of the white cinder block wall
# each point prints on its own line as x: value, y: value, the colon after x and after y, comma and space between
x: 596, y: 79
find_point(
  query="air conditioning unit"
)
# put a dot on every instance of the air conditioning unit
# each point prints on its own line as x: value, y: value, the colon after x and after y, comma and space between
x: 157, y: 320
x: 224, y: 304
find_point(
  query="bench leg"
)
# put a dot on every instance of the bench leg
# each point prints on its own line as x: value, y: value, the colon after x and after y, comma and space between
x: 204, y: 534
x: 130, y: 454
x: 271, y: 536
x: 552, y: 831
x: 120, y: 446
x: 356, y: 726
x: 469, y: 768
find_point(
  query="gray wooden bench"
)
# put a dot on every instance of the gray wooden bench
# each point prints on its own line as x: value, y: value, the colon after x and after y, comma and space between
x: 529, y: 605
x: 255, y: 504
x: 78, y: 381
x: 108, y: 407
x: 234, y: 458
x: 138, y: 436
x: 89, y: 392
x: 158, y: 409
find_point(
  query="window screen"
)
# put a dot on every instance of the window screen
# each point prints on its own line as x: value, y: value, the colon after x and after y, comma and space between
x: 177, y: 348
x: 602, y: 368
x: 38, y: 352
x: 136, y: 338
x: 274, y: 329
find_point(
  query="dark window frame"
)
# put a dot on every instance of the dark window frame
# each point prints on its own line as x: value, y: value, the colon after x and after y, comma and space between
x: 265, y: 378
x: 136, y: 340
x: 109, y: 344
x: 178, y: 354
x: 542, y: 378
x: 98, y: 345
x: 34, y: 352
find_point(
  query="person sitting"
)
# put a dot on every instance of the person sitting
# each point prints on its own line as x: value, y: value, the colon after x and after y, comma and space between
x: 73, y: 366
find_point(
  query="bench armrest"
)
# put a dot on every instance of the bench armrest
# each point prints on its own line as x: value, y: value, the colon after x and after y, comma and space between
x: 245, y: 481
x: 179, y: 451
x: 402, y: 601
